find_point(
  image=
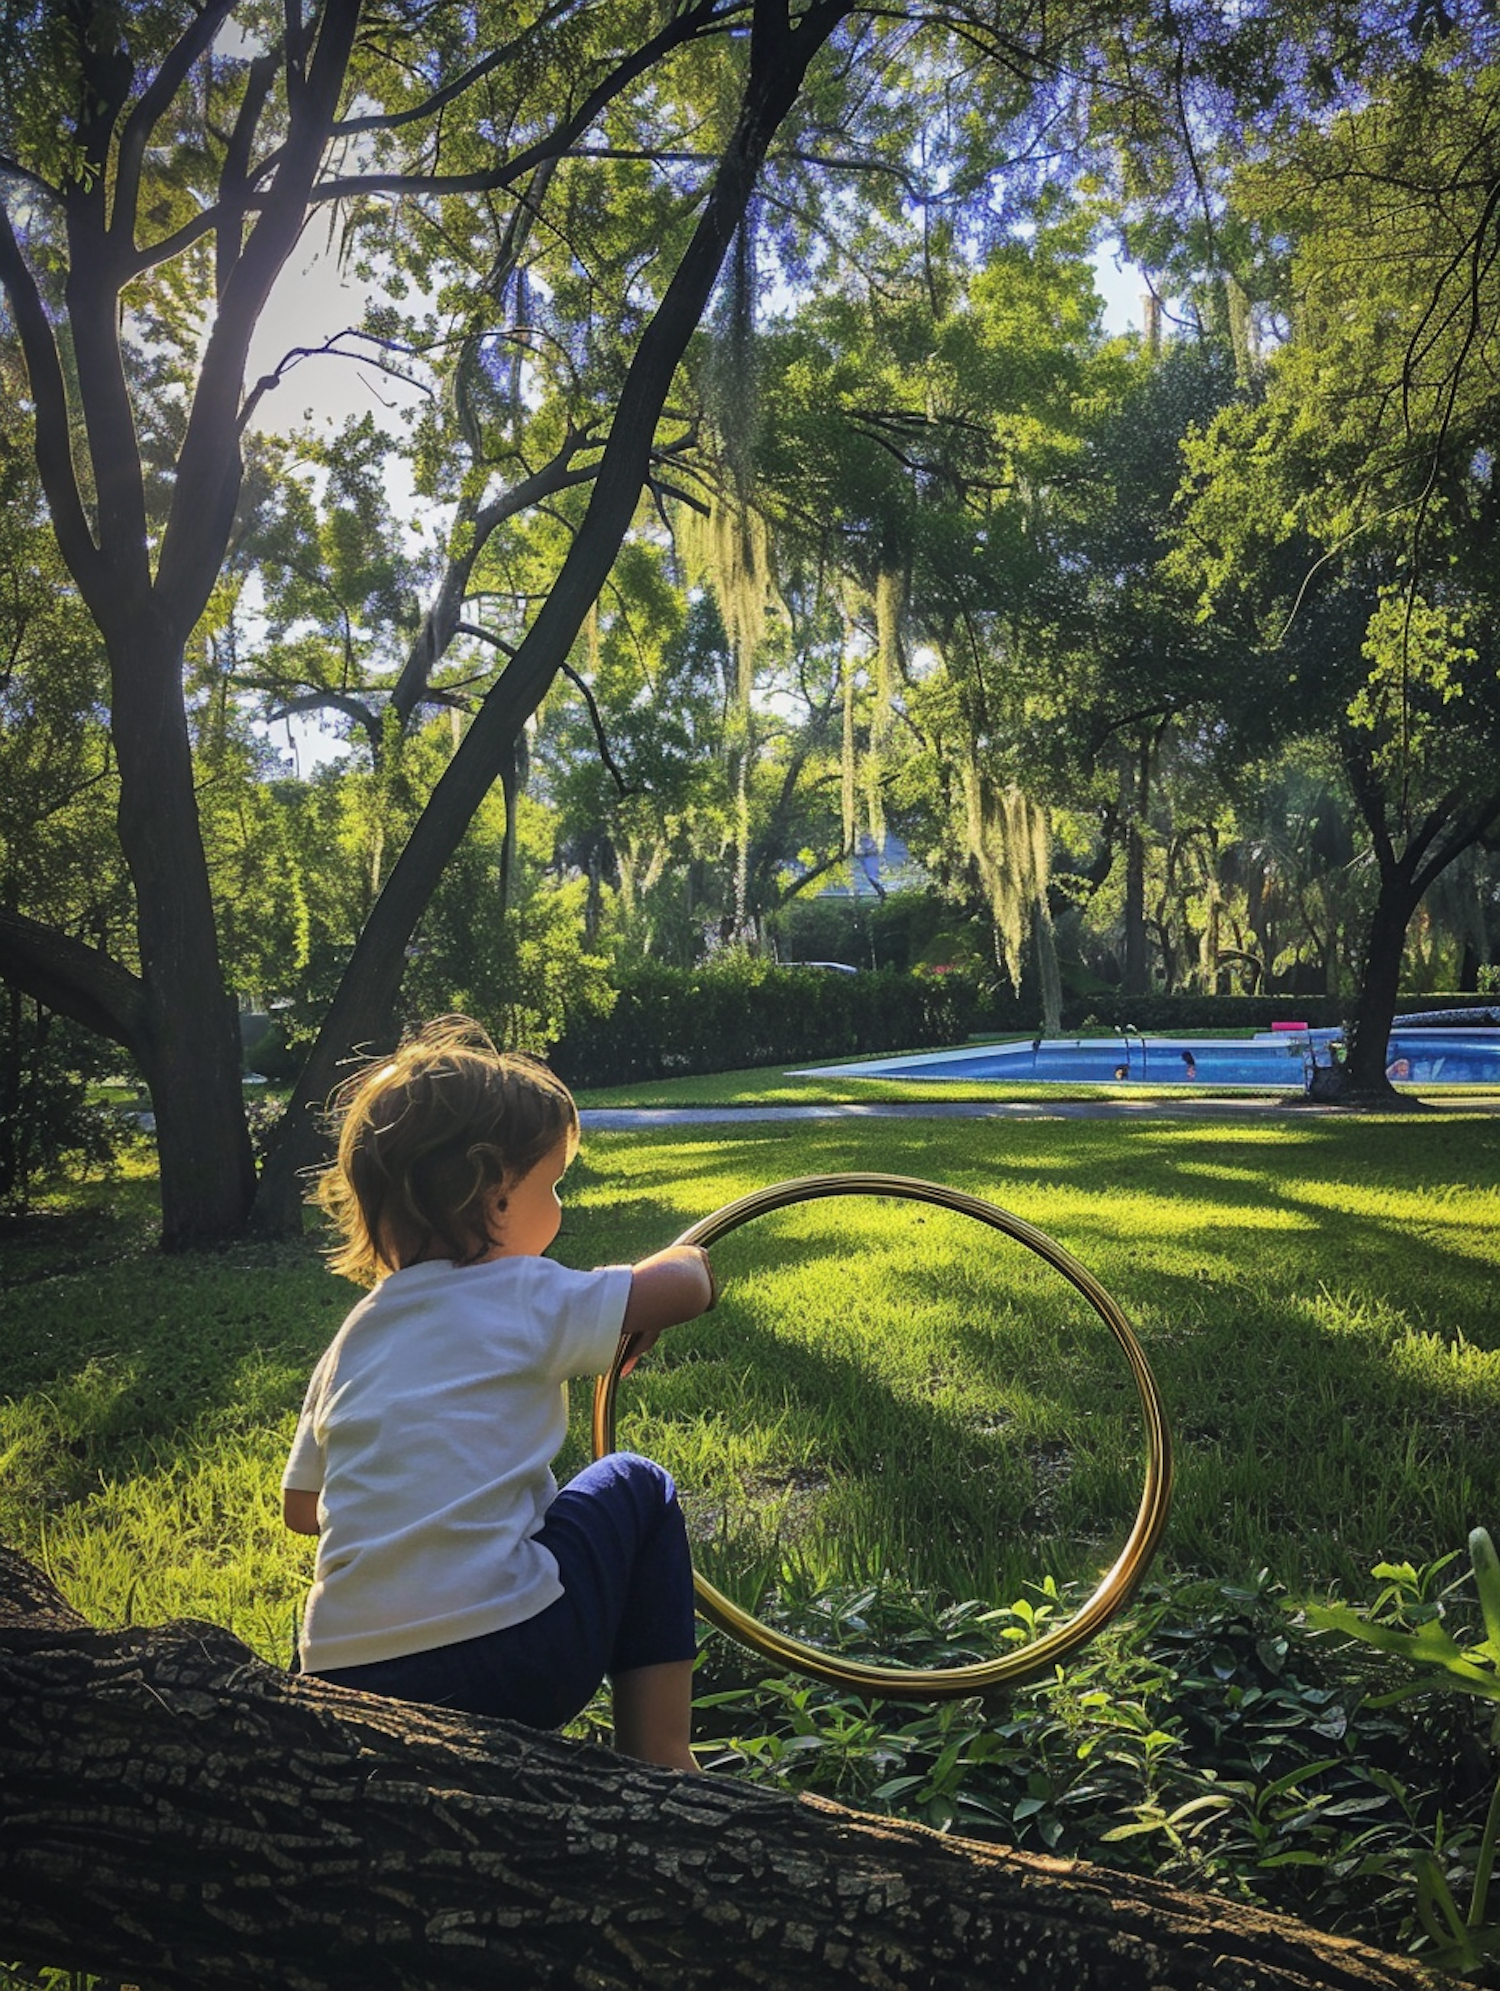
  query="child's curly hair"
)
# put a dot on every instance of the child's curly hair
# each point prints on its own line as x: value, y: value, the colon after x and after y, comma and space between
x: 426, y: 1137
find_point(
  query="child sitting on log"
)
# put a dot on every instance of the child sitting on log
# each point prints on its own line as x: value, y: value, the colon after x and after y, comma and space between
x: 450, y: 1568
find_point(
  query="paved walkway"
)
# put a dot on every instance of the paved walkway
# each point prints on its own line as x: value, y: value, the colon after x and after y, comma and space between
x: 628, y: 1119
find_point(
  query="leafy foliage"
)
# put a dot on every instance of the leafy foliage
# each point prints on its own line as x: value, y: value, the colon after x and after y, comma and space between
x: 1406, y: 1621
x: 739, y: 1010
x: 50, y: 1121
x: 1210, y: 1740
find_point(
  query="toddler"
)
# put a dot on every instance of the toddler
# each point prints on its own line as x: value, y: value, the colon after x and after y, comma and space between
x: 450, y: 1568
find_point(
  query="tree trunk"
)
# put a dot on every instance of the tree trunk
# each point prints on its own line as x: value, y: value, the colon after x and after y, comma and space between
x: 1369, y: 1031
x: 188, y: 1044
x: 1450, y: 825
x: 174, y: 1811
x: 1137, y: 975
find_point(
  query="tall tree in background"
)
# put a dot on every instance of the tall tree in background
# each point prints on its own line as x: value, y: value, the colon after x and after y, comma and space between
x: 1348, y: 516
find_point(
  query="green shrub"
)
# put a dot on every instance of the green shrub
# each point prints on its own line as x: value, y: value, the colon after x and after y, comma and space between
x: 1165, y: 1015
x: 49, y: 1120
x: 1208, y: 1738
x: 274, y: 1057
x: 739, y: 1011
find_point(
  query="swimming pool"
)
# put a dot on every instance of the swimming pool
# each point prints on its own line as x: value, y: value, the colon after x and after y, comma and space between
x: 1432, y: 1057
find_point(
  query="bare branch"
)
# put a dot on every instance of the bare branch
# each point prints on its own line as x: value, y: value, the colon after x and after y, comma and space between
x: 440, y: 99
x: 331, y: 349
x: 77, y: 981
x: 441, y: 620
x: 13, y: 169
x: 235, y: 175
x: 685, y: 27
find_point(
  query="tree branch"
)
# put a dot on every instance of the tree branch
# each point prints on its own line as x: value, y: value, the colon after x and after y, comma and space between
x: 208, y: 464
x: 476, y: 73
x: 74, y: 980
x: 49, y: 395
x: 683, y: 28
x: 441, y: 621
x: 177, y: 1812
x: 234, y: 180
x: 151, y: 107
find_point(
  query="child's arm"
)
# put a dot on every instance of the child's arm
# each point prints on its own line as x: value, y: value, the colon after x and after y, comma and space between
x: 299, y: 1509
x: 666, y: 1289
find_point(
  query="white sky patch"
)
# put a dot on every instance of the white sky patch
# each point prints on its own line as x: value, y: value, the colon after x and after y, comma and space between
x: 1123, y: 288
x: 311, y: 303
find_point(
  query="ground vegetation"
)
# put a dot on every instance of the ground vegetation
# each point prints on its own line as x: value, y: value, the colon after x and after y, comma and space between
x: 1304, y: 1290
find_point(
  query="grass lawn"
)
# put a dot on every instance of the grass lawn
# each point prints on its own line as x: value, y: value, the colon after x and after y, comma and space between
x: 893, y: 1411
x: 885, y: 1388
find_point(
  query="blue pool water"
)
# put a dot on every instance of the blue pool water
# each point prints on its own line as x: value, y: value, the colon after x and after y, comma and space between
x: 1433, y: 1057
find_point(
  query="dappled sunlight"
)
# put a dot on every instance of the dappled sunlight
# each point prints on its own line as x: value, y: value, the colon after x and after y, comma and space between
x: 1449, y: 1206
x: 886, y: 1386
x: 927, y: 1396
x: 1216, y: 1171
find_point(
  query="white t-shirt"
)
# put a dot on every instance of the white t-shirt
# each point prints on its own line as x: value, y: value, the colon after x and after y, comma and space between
x: 428, y: 1433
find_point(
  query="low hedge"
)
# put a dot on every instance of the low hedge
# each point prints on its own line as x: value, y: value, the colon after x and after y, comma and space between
x: 673, y: 1022
x: 1163, y: 1015
x: 736, y: 1014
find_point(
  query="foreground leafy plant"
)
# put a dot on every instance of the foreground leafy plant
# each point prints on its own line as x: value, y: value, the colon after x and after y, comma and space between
x: 1408, y: 1623
x: 1211, y: 1741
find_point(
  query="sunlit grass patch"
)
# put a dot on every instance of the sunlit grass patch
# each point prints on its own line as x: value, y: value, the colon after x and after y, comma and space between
x: 885, y: 1388
x: 927, y: 1395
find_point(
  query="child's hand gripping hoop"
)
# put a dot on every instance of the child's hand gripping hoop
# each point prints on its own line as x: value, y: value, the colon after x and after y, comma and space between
x: 1119, y: 1583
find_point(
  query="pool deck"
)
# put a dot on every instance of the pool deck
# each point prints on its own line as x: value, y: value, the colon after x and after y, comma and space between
x: 633, y: 1119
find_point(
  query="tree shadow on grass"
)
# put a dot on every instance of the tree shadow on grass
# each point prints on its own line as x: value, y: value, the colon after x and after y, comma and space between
x: 1328, y: 1412
x: 958, y: 1472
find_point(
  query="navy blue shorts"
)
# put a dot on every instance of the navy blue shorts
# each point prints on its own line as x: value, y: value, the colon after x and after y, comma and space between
x: 617, y: 1533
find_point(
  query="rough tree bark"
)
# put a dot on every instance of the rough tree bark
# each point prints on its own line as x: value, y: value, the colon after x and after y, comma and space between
x: 175, y: 1811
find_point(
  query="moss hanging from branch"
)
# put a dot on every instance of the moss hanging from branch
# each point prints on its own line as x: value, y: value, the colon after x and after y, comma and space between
x: 1044, y: 939
x: 728, y: 548
x: 889, y: 601
x: 1009, y: 839
x: 1208, y: 943
x: 1241, y: 320
x: 886, y: 675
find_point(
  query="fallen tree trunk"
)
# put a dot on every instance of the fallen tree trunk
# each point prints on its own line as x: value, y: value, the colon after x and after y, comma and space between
x: 174, y: 1811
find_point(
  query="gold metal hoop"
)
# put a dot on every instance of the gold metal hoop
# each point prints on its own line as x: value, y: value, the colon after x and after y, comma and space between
x: 1119, y: 1582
